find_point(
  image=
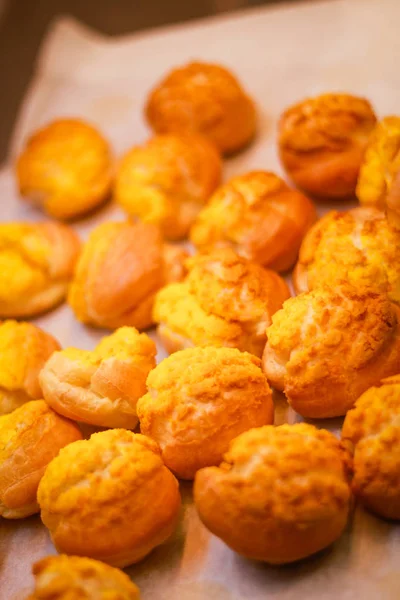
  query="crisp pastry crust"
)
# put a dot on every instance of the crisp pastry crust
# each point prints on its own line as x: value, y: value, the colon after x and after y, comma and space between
x: 65, y: 168
x: 121, y: 268
x: 101, y: 387
x: 37, y: 262
x: 198, y: 400
x: 280, y: 494
x: 167, y: 180
x: 326, y: 347
x: 224, y: 301
x: 257, y: 215
x: 322, y: 142
x: 203, y: 98
x: 109, y: 498
x: 24, y: 349
x: 371, y: 431
x: 358, y: 245
x: 30, y: 437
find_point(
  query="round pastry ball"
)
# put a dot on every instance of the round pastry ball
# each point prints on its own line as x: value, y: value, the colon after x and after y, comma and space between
x: 37, y: 262
x: 257, y: 215
x: 24, y: 349
x: 121, y: 268
x: 326, y: 347
x: 75, y: 577
x: 371, y: 431
x: 224, y: 301
x: 203, y: 98
x: 30, y: 437
x: 358, y: 245
x: 280, y: 494
x: 65, y: 168
x: 167, y: 180
x: 322, y: 142
x: 101, y: 387
x: 198, y: 400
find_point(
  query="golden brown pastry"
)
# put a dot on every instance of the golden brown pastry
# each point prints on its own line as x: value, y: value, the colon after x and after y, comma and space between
x: 322, y: 142
x: 224, y: 301
x: 77, y: 578
x: 110, y: 497
x: 358, y: 245
x: 101, y: 387
x: 371, y: 431
x: 326, y: 347
x: 65, y: 168
x: 198, y: 400
x: 280, y: 494
x: 24, y: 349
x: 30, y: 437
x: 121, y: 268
x: 258, y: 216
x: 37, y: 262
x: 167, y: 180
x: 203, y: 98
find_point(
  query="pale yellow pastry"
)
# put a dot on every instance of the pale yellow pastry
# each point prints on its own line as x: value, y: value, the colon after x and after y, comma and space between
x: 167, y: 180
x: 65, y: 168
x: 371, y: 430
x: 30, y: 437
x: 224, y: 301
x: 110, y: 497
x: 326, y: 347
x: 280, y: 494
x: 100, y: 387
x: 198, y: 400
x: 24, y: 349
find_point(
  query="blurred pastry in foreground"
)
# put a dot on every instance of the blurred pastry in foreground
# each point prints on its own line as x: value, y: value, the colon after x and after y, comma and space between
x: 77, y: 578
x: 322, y: 141
x: 167, y: 180
x: 379, y: 180
x: 37, y: 262
x: 224, y: 301
x: 24, y: 349
x: 121, y: 268
x: 110, y: 497
x: 203, y: 98
x: 326, y: 347
x: 371, y: 431
x: 65, y: 168
x: 198, y: 400
x: 101, y: 387
x: 280, y: 494
x: 30, y: 437
x: 257, y: 215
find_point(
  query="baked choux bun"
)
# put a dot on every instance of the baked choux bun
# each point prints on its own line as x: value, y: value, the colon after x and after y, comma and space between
x: 358, y: 245
x: 371, y: 431
x: 224, y: 301
x: 280, y: 494
x: 121, y: 268
x: 326, y: 347
x: 109, y: 497
x: 203, y: 98
x: 101, y: 387
x: 30, y: 437
x: 77, y: 578
x: 65, y: 168
x: 24, y: 350
x: 322, y: 142
x: 379, y: 180
x: 167, y: 180
x: 198, y: 400
x: 257, y: 215
x: 37, y: 261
